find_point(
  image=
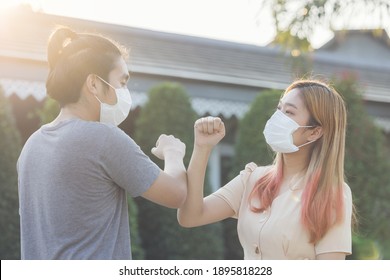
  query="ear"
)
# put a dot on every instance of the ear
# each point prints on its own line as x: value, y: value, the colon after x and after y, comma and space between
x: 91, y: 83
x: 315, y: 133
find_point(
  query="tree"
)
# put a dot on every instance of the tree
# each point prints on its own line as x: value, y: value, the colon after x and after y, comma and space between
x: 49, y: 111
x: 138, y: 253
x: 10, y: 146
x: 250, y: 147
x: 367, y: 168
x: 169, y: 111
x: 296, y: 22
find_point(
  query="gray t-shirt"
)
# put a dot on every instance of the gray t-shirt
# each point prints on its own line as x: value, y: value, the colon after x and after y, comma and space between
x: 73, y: 180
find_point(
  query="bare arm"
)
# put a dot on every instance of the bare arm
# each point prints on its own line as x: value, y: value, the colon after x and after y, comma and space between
x: 170, y: 187
x: 197, y: 210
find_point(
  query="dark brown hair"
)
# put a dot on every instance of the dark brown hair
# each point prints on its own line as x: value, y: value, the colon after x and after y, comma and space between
x: 73, y: 56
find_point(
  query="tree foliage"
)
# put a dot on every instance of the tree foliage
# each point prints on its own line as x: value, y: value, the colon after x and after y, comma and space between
x: 169, y: 111
x: 138, y: 253
x: 49, y: 111
x: 367, y: 167
x: 250, y: 133
x: 296, y: 21
x: 10, y: 146
x: 250, y: 147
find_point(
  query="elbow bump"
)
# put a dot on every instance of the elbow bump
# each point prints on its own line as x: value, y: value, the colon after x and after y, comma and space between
x: 185, y: 224
x: 181, y: 197
x: 178, y: 201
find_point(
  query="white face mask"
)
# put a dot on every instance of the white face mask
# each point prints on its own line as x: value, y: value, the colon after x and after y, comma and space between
x: 117, y: 113
x: 278, y: 133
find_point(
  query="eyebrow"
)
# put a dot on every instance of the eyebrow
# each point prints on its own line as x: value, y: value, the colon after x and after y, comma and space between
x: 288, y: 104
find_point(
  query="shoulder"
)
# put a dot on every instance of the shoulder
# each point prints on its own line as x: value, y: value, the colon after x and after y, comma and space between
x: 100, y: 137
x: 347, y: 189
x: 94, y: 127
x: 347, y: 193
x: 253, y: 172
x: 76, y: 127
x: 97, y: 131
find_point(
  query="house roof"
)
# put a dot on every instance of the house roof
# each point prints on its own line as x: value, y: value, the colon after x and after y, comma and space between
x: 167, y: 54
x: 24, y: 34
x: 340, y: 36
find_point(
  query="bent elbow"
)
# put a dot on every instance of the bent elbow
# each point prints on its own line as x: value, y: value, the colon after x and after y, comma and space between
x: 183, y: 222
x: 186, y: 225
x: 179, y: 199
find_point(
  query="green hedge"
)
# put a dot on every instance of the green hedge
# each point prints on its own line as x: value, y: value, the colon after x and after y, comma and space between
x: 10, y: 145
x: 367, y: 168
x: 169, y: 111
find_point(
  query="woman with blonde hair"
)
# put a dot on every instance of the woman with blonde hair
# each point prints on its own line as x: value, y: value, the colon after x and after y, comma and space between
x: 297, y: 208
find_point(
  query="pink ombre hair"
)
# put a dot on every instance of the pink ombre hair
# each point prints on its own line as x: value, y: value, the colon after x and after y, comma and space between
x: 322, y: 197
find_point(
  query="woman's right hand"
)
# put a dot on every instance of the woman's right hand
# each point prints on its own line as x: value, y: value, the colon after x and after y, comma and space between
x: 197, y: 210
x: 208, y: 131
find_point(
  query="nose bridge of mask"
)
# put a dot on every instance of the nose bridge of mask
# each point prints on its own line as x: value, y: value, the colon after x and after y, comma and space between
x: 287, y: 122
x: 291, y: 121
x: 295, y: 129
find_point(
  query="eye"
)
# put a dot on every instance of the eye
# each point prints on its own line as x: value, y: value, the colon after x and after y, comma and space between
x: 289, y: 112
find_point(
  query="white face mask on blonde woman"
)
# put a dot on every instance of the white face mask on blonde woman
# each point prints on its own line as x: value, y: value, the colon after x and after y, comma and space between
x: 278, y: 133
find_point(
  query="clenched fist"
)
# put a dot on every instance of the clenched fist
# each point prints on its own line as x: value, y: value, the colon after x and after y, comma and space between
x: 208, y: 131
x: 166, y: 144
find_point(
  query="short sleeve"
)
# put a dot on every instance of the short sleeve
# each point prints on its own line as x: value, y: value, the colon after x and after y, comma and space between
x: 127, y: 165
x: 232, y: 193
x: 339, y: 237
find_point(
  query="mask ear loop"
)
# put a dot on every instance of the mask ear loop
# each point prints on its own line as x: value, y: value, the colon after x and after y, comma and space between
x: 107, y: 83
x: 97, y: 99
x: 307, y: 143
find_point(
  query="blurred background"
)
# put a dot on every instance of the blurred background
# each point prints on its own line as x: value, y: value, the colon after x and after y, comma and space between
x: 231, y: 59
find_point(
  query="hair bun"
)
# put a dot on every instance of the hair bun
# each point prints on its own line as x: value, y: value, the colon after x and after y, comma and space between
x: 58, y: 41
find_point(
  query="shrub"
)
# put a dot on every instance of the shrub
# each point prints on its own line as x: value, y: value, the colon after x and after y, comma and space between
x: 169, y: 111
x: 367, y: 167
x: 250, y: 147
x: 10, y: 146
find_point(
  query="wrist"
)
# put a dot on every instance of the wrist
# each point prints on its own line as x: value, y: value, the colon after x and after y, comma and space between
x: 204, y: 149
x: 174, y: 153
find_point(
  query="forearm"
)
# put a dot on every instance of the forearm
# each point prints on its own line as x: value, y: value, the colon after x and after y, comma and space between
x: 174, y: 167
x: 192, y: 208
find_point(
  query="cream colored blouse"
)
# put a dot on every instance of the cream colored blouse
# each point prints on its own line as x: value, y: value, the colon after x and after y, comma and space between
x: 277, y: 233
